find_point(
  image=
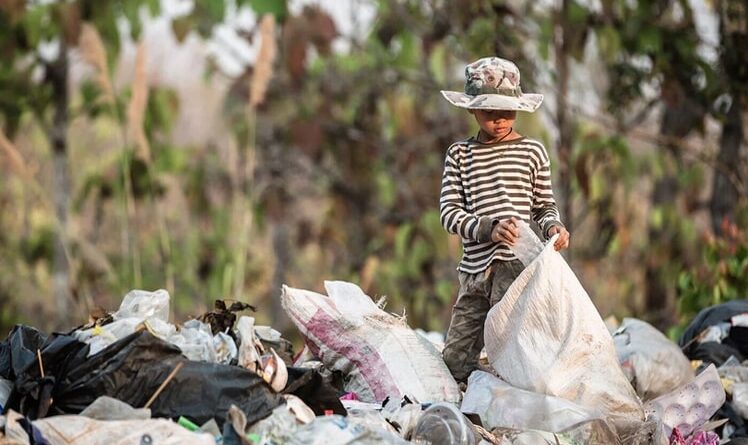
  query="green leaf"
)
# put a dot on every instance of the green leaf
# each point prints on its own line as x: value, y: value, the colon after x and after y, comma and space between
x: 279, y: 8
x: 215, y: 10
x: 437, y: 63
x: 577, y: 14
x: 650, y: 40
x: 182, y: 26
x: 402, y: 239
x: 609, y: 42
x: 386, y: 188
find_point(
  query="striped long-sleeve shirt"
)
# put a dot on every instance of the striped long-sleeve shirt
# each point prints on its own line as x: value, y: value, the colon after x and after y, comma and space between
x: 486, y: 183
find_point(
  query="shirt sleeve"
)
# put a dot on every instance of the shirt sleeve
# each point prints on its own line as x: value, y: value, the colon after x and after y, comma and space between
x: 454, y: 218
x: 544, y: 209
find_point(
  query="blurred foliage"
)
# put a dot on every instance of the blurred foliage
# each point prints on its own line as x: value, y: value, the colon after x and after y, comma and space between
x: 348, y: 149
x: 720, y: 277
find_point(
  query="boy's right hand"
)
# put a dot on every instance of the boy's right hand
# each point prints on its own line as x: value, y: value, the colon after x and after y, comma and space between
x: 506, y: 231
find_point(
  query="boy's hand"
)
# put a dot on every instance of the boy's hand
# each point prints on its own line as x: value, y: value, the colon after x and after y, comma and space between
x: 506, y: 231
x: 563, y: 239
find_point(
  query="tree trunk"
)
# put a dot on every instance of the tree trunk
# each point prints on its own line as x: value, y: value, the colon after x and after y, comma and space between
x: 563, y: 121
x: 725, y: 194
x: 734, y: 60
x: 58, y: 78
x: 281, y: 248
x: 277, y: 203
x: 681, y: 115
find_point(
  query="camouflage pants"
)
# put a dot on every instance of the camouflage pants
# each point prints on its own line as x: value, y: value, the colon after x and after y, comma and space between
x: 477, y: 294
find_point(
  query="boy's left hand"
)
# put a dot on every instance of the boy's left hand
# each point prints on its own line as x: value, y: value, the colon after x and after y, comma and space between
x: 563, y: 239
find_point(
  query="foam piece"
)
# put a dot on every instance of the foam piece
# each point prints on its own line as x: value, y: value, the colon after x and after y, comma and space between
x: 691, y: 405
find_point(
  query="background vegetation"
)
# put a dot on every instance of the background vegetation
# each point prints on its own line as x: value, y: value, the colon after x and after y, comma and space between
x: 132, y: 159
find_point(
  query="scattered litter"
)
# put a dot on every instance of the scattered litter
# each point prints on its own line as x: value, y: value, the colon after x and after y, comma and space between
x: 365, y: 377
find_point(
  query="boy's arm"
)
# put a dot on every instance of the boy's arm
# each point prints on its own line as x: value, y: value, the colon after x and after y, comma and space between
x: 544, y: 209
x: 452, y: 212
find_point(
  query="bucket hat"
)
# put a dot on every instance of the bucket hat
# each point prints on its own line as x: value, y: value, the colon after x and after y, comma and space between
x: 492, y: 83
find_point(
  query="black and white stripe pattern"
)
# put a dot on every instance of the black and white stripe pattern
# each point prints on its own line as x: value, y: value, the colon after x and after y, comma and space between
x: 484, y: 184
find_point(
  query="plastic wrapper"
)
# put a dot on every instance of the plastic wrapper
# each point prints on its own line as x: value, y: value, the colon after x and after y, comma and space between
x: 225, y: 348
x: 144, y: 304
x: 740, y: 399
x: 248, y: 356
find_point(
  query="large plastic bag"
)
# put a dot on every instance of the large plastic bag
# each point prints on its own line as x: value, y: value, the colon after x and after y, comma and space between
x: 546, y: 336
x: 378, y: 354
x: 501, y: 405
x: 653, y: 364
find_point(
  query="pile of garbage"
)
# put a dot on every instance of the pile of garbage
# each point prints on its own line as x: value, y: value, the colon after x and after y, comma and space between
x: 553, y: 374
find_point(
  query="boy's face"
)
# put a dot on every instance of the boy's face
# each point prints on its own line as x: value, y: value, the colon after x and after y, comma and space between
x: 495, y: 123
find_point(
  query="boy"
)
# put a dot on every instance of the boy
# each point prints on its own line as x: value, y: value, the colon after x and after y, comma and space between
x: 490, y: 182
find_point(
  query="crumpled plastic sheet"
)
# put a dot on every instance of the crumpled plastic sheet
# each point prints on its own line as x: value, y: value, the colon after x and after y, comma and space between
x: 341, y: 430
x: 109, y: 408
x: 150, y: 310
x: 79, y: 430
x: 501, y: 405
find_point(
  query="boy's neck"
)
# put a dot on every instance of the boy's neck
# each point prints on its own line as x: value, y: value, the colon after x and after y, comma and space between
x: 484, y: 138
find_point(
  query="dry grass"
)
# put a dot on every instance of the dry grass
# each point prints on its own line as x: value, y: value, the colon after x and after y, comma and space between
x: 93, y: 52
x: 17, y: 163
x: 263, y: 70
x: 138, y: 102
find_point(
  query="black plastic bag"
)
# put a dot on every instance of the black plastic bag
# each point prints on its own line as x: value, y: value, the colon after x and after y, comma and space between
x: 131, y: 370
x: 32, y: 393
x: 709, y: 317
x: 18, y: 350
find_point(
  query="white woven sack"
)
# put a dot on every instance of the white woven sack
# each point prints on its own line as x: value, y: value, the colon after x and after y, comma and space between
x: 546, y: 336
x: 378, y: 353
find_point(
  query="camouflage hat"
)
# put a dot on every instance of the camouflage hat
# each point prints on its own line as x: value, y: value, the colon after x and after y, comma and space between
x: 492, y: 83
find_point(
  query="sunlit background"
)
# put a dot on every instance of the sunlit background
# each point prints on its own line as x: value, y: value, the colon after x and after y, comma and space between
x: 222, y: 148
